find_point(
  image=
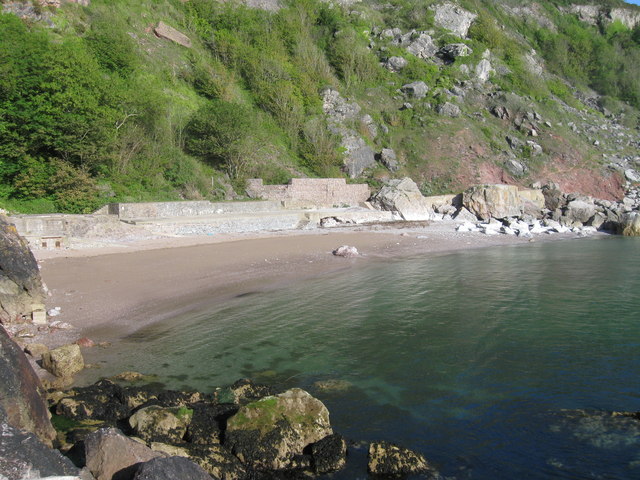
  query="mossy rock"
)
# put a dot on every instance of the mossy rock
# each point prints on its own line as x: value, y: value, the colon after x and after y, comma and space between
x: 269, y: 433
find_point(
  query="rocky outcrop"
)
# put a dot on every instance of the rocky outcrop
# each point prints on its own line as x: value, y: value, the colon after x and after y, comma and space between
x: 403, y: 197
x: 597, y: 15
x: 389, y: 159
x: 270, y: 433
x: 21, y: 393
x: 173, y: 468
x: 20, y: 284
x: 391, y: 460
x: 110, y: 455
x: 163, y: 30
x: 416, y: 89
x: 453, y: 18
x: 358, y: 155
x: 448, y: 109
x: 63, y: 361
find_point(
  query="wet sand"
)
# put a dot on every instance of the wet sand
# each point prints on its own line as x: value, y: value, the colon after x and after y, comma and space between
x: 108, y: 293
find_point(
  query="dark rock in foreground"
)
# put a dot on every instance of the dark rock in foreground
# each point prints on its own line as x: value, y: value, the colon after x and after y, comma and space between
x: 173, y: 468
x: 22, y: 456
x: 21, y: 392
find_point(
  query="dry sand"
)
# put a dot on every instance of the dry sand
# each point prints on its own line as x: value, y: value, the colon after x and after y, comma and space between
x: 107, y: 293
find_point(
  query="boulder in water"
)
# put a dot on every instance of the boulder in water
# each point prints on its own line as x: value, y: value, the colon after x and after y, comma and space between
x: 269, y: 433
x: 391, y: 460
x: 63, y: 361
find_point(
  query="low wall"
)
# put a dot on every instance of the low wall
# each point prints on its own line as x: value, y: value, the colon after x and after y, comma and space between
x: 311, y: 192
x: 136, y: 211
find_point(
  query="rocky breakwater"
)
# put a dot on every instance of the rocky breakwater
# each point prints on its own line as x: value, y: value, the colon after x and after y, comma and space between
x: 244, y: 431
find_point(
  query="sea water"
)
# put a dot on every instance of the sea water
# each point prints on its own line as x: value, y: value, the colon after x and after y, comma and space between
x: 494, y: 364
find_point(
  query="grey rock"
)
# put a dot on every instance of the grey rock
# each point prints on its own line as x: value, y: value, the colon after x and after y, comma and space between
x: 389, y: 160
x: 337, y: 108
x: 632, y: 175
x: 172, y: 468
x: 448, y: 109
x: 395, y: 64
x: 455, y: 50
x: 23, y: 456
x: 404, y: 197
x: 160, y: 424
x: 423, y: 47
x: 493, y: 201
x: 514, y: 167
x: 111, y: 455
x: 535, y: 148
x: 579, y: 211
x: 453, y: 18
x: 163, y: 30
x: 346, y: 251
x: 483, y: 70
x: 417, y: 89
x: 501, y: 112
x: 464, y: 215
x: 514, y: 142
x: 358, y: 155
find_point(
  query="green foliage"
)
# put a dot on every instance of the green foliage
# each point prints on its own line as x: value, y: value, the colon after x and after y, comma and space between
x: 112, y: 47
x: 219, y: 133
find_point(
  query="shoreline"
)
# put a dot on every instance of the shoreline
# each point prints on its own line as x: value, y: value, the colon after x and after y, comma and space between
x: 108, y: 293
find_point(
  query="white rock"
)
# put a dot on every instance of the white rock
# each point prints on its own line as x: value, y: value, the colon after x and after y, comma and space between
x: 346, y: 251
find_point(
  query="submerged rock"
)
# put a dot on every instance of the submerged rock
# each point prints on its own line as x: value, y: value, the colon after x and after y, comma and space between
x: 269, y: 433
x: 392, y: 460
x: 329, y: 454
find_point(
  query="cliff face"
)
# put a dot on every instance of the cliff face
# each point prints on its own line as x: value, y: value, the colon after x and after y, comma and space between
x: 20, y: 281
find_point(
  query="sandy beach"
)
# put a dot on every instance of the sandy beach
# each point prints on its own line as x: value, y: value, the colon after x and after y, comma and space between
x: 107, y: 293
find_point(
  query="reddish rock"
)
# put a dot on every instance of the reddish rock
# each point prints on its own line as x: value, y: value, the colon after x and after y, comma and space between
x: 85, y: 342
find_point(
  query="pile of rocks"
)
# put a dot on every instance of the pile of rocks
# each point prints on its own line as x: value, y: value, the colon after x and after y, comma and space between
x: 140, y: 433
x: 505, y: 209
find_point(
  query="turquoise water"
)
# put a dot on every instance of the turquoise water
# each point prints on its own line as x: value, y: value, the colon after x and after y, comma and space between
x: 477, y: 359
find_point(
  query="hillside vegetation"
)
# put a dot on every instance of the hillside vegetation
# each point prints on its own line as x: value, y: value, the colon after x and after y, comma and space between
x: 94, y: 107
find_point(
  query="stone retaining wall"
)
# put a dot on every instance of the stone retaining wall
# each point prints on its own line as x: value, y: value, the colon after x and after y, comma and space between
x: 136, y: 211
x: 311, y: 192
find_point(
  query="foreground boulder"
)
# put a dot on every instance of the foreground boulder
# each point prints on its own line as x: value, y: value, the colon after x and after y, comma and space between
x: 20, y: 284
x: 173, y: 468
x: 493, y: 201
x: 403, y: 197
x: 21, y: 393
x: 392, y: 460
x: 110, y: 455
x: 270, y: 433
x: 23, y: 456
x: 63, y: 361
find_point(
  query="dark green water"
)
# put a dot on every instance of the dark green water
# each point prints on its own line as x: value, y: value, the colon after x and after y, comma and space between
x: 478, y: 359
